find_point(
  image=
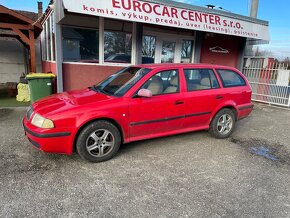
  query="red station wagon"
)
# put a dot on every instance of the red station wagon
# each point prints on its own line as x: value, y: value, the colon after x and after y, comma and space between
x: 136, y: 103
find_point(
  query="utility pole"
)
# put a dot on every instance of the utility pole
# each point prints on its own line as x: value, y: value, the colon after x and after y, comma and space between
x: 254, y: 8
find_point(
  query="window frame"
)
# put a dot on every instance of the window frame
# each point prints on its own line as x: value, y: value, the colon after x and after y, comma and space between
x: 179, y: 82
x: 214, y: 73
x: 130, y: 54
x: 80, y: 61
x: 101, y: 29
x: 235, y: 72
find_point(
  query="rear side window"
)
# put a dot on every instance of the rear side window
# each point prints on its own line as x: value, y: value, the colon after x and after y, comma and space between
x: 200, y: 79
x: 231, y: 78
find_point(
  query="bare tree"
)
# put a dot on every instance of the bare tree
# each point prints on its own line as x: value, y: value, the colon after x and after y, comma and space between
x: 186, y: 49
x: 148, y: 47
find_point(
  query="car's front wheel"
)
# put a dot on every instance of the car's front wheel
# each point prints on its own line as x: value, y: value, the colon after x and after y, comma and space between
x: 98, y: 141
x: 223, y: 124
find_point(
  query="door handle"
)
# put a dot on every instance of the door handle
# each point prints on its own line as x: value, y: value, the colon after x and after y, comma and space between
x: 219, y: 97
x: 178, y: 102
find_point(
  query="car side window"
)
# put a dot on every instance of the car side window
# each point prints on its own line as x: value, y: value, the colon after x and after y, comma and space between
x: 231, y: 78
x: 165, y: 82
x: 200, y: 79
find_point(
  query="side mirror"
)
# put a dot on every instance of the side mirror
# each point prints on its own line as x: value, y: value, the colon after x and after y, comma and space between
x: 145, y: 93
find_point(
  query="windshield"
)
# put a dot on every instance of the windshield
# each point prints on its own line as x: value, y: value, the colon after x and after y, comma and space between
x: 119, y: 83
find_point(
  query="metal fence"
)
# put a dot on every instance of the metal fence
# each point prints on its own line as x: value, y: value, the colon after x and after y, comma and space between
x: 270, y: 84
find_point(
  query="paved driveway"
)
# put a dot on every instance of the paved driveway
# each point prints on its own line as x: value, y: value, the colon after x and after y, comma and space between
x: 190, y: 175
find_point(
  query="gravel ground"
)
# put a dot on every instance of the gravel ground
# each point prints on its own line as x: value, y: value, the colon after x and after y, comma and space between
x: 189, y: 175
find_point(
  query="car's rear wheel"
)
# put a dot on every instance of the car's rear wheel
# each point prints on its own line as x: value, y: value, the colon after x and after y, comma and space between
x: 223, y: 124
x: 99, y: 141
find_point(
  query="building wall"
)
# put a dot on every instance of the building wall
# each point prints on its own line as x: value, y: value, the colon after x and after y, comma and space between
x: 226, y: 52
x: 13, y: 60
x: 48, y: 67
x: 79, y: 76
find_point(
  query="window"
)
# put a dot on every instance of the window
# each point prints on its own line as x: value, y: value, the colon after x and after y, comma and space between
x: 119, y: 83
x: 117, y: 41
x: 47, y: 40
x: 231, y: 78
x: 148, y: 49
x: 165, y: 82
x: 200, y: 79
x: 186, y: 52
x: 80, y: 44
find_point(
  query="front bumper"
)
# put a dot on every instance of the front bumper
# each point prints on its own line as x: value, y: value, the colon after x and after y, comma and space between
x: 50, y: 142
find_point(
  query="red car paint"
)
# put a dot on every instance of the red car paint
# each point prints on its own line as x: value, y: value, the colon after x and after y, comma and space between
x: 136, y: 118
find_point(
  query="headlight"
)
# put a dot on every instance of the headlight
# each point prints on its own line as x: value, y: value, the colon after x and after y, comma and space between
x: 42, y: 122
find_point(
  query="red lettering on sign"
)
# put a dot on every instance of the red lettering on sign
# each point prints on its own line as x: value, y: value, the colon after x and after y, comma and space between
x: 128, y: 6
x: 205, y: 17
x: 211, y: 19
x: 191, y: 15
x: 137, y: 6
x: 85, y: 8
x: 183, y: 14
x: 198, y: 17
x: 217, y: 20
x: 147, y: 7
x: 174, y: 13
x: 155, y: 9
x: 165, y: 12
x: 116, y: 4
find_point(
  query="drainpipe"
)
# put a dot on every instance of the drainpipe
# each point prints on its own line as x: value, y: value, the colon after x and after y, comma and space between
x: 253, y: 14
x: 254, y: 8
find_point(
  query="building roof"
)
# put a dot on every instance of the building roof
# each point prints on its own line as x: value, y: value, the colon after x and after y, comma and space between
x: 9, y: 17
x: 31, y: 15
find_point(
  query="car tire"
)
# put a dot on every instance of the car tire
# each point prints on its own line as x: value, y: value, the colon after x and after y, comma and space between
x: 98, y: 141
x: 223, y: 124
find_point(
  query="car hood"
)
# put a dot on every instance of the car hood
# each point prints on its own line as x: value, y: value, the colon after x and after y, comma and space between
x: 68, y: 100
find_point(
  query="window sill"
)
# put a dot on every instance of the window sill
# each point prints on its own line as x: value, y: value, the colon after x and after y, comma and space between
x: 97, y: 64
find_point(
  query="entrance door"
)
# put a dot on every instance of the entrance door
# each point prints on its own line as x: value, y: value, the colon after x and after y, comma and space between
x: 167, y: 48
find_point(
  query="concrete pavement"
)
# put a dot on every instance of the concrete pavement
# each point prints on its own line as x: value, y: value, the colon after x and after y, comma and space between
x: 189, y: 175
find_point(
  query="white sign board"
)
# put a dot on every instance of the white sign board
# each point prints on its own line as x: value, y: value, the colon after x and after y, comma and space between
x: 160, y: 14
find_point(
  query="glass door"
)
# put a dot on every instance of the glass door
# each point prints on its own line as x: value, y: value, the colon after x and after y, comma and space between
x: 168, y: 52
x: 167, y: 48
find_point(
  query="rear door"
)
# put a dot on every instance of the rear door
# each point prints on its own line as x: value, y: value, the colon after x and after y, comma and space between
x: 203, y: 95
x: 235, y: 86
x: 161, y: 113
x: 237, y: 90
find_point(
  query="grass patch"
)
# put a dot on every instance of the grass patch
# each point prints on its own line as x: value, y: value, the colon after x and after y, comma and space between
x: 11, y: 102
x: 3, y: 93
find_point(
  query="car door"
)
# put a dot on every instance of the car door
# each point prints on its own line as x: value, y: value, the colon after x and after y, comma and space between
x: 161, y: 113
x: 202, y: 97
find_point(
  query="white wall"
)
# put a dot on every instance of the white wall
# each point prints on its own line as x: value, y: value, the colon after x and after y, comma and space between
x: 12, y: 60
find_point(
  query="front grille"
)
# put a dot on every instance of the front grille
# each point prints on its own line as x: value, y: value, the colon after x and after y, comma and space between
x: 29, y: 113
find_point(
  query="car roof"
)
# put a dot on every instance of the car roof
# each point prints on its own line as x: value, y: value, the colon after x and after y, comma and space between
x: 172, y: 65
